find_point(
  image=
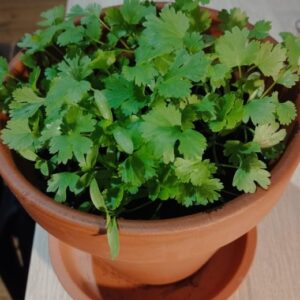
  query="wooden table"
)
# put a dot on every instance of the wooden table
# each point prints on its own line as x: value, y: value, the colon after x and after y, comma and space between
x: 276, y: 269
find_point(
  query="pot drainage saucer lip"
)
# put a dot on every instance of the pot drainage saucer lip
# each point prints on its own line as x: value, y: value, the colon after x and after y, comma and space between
x: 217, y: 279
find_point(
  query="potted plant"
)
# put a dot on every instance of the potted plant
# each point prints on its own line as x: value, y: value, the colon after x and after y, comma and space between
x: 161, y: 129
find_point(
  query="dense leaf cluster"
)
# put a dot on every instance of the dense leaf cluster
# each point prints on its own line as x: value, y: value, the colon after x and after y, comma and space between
x: 145, y: 104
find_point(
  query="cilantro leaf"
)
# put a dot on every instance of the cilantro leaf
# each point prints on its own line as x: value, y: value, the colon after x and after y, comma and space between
x: 292, y: 44
x: 268, y: 135
x: 65, y: 90
x: 287, y: 78
x: 133, y: 11
x: 260, y: 111
x: 188, y: 5
x: 233, y: 18
x: 161, y: 128
x: 123, y: 140
x: 26, y: 103
x: 270, y: 59
x: 192, y: 144
x: 132, y: 171
x: 77, y: 67
x: 72, y: 141
x: 251, y: 171
x: 122, y: 93
x: 162, y: 34
x: 237, y: 151
x: 286, y: 112
x: 53, y: 16
x: 185, y: 68
x: 60, y: 182
x: 3, y: 68
x: 141, y: 74
x: 234, y: 48
x: 260, y: 30
x: 72, y: 34
x: 17, y: 135
x: 196, y: 171
x: 230, y: 112
x: 102, y: 60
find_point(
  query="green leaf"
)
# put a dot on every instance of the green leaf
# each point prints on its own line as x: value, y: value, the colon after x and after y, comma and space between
x: 60, y: 182
x: 142, y: 74
x: 133, y: 11
x: 3, y: 68
x: 237, y: 151
x: 71, y: 35
x: 192, y: 144
x: 102, y: 105
x: 270, y: 59
x: 233, y: 18
x: 132, y: 171
x: 196, y: 171
x: 260, y: 30
x: 163, y: 34
x: 188, y: 5
x: 287, y: 78
x: 251, y: 171
x: 268, y: 135
x: 260, y: 111
x: 96, y: 196
x: 234, y: 48
x: 185, y: 68
x: 113, y: 237
x: 123, y: 140
x: 77, y: 67
x: 292, y: 44
x: 102, y: 60
x: 26, y: 103
x: 161, y: 128
x: 286, y: 112
x: 230, y: 113
x: 17, y: 135
x: 72, y: 141
x: 53, y: 16
x: 174, y: 87
x: 218, y: 75
x: 64, y: 91
x: 121, y: 93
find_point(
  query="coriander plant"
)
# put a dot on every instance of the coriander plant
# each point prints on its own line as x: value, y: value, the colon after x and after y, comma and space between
x: 144, y: 113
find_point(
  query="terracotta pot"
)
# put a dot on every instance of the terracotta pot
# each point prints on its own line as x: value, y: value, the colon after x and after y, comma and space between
x: 160, y: 251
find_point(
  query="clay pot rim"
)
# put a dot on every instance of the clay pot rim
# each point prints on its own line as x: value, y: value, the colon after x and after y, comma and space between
x: 22, y: 187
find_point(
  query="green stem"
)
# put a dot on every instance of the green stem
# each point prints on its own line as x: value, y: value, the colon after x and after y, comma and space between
x: 109, y: 29
x: 269, y: 89
x: 230, y: 193
x: 52, y: 56
x: 227, y: 166
x: 157, y: 210
x: 240, y: 72
x: 215, y: 154
x: 13, y: 77
x: 251, y: 69
x: 138, y: 207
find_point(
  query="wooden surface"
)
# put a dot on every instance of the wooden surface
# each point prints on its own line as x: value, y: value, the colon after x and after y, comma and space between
x: 20, y: 16
x: 276, y: 269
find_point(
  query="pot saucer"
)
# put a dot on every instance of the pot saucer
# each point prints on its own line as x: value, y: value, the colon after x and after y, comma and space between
x: 217, y: 279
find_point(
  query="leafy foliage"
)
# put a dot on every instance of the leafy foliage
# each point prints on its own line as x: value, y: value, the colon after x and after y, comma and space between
x: 140, y: 111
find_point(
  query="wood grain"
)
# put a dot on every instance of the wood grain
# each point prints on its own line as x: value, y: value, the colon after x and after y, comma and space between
x: 20, y: 16
x: 276, y: 269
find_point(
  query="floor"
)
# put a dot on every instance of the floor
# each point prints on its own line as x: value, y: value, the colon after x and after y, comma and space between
x: 16, y: 18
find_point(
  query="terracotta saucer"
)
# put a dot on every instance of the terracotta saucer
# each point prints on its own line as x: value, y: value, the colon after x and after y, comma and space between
x: 218, y: 279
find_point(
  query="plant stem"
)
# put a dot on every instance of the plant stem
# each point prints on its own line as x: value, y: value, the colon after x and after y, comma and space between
x: 230, y: 193
x: 251, y: 69
x: 52, y: 56
x: 215, y: 154
x: 227, y: 166
x: 245, y: 134
x: 240, y: 72
x: 157, y: 210
x: 138, y: 207
x: 269, y: 89
x: 109, y: 29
